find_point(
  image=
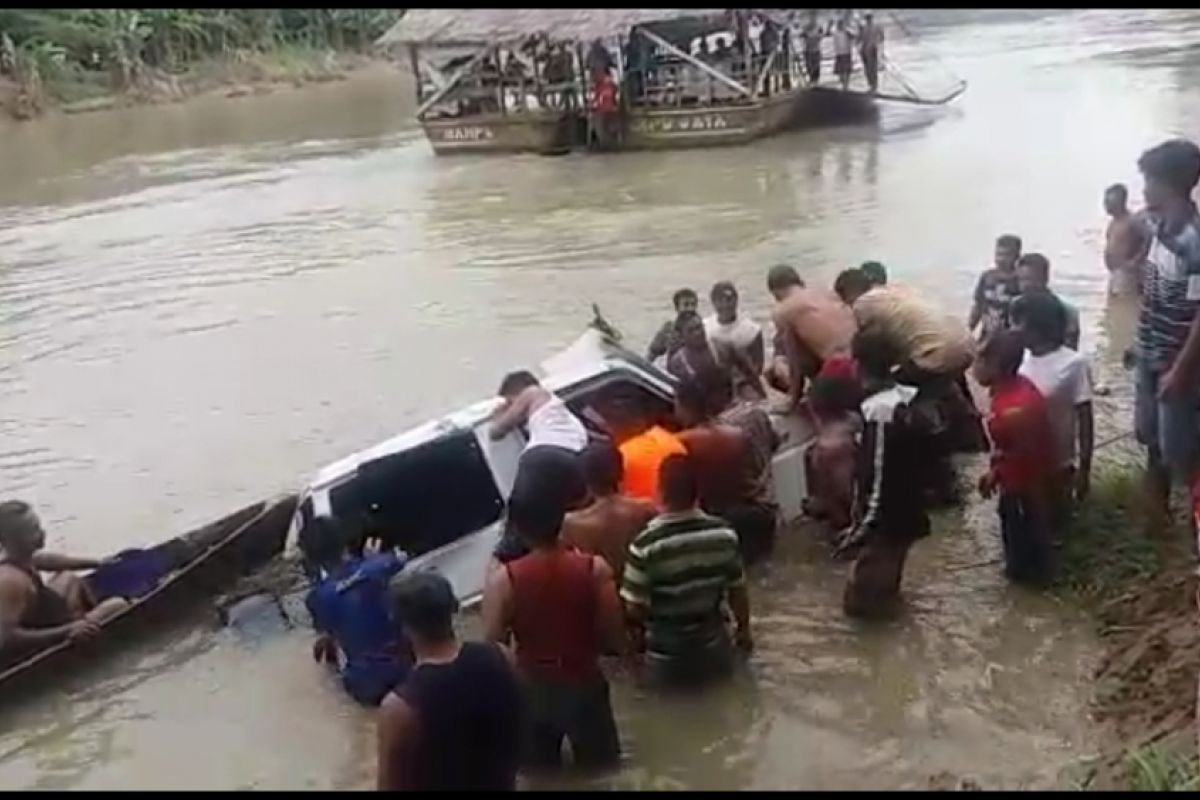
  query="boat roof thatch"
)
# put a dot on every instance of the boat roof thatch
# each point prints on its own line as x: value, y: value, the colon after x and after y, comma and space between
x: 463, y: 26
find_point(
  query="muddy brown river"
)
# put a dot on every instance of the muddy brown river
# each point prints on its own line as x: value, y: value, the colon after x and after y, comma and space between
x: 202, y: 303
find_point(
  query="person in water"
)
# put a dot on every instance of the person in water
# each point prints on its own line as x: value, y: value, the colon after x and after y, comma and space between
x: 556, y: 438
x: 737, y: 342
x: 1125, y: 243
x: 1023, y: 458
x: 754, y: 423
x: 669, y: 337
x: 350, y: 612
x: 607, y: 526
x: 892, y: 480
x: 696, y: 354
x: 1064, y: 379
x: 996, y: 289
x: 1033, y: 275
x: 875, y: 273
x: 814, y: 325
x: 680, y: 572
x: 643, y: 444
x: 455, y: 722
x: 36, y: 613
x: 725, y: 471
x: 560, y: 608
x: 833, y: 456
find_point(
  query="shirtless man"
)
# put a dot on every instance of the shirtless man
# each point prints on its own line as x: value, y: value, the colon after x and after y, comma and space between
x: 1125, y: 243
x: 607, y: 526
x: 814, y: 326
x: 36, y: 613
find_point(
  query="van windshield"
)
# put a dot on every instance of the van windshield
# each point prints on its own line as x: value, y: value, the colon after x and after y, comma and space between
x: 424, y: 498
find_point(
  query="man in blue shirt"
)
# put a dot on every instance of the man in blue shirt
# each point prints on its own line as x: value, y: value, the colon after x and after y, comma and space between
x: 1167, y: 409
x: 350, y: 612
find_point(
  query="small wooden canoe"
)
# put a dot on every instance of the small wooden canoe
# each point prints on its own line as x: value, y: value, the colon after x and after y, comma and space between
x: 201, y: 564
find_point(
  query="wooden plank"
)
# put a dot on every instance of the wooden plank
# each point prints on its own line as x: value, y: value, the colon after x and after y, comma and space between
x: 672, y: 49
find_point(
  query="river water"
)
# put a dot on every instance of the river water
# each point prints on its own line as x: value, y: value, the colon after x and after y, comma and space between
x: 202, y: 303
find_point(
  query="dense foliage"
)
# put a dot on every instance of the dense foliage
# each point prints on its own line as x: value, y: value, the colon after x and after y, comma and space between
x: 54, y: 42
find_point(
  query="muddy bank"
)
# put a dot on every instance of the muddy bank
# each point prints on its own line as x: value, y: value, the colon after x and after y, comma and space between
x: 243, y: 74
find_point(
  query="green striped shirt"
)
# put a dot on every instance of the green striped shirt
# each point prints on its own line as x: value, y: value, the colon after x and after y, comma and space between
x: 679, y: 570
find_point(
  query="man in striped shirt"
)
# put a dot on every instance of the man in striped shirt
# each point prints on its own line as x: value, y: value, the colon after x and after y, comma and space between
x: 679, y: 573
x: 1167, y: 408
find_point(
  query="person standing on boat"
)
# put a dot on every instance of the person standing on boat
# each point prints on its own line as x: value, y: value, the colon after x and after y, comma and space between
x: 556, y: 437
x: 680, y: 573
x: 1125, y: 243
x: 455, y: 722
x: 996, y: 289
x: 814, y: 326
x: 669, y: 338
x: 870, y: 43
x: 843, y: 47
x: 349, y: 610
x: 726, y: 470
x: 607, y: 526
x: 736, y: 341
x: 560, y: 609
x: 36, y: 613
x: 812, y: 36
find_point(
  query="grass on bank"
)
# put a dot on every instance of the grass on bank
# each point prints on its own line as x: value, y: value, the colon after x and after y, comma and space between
x: 1153, y: 769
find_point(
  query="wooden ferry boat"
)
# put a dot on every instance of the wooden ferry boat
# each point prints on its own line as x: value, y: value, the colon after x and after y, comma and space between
x: 525, y: 80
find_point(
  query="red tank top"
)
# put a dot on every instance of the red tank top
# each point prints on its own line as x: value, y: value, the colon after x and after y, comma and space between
x: 554, y: 618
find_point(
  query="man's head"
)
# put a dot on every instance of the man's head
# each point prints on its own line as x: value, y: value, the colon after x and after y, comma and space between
x: 1033, y: 272
x: 851, y: 284
x: 21, y: 533
x: 1116, y: 200
x: 685, y: 302
x: 1170, y: 172
x: 691, y: 332
x: 424, y: 605
x: 782, y: 279
x: 875, y: 353
x: 868, y: 18
x: 717, y: 386
x: 724, y: 298
x: 677, y: 485
x: 536, y: 512
x: 1008, y: 250
x: 1041, y: 319
x: 603, y: 468
x: 876, y: 273
x: 999, y: 357
x: 691, y: 402
x: 625, y: 413
x: 516, y: 382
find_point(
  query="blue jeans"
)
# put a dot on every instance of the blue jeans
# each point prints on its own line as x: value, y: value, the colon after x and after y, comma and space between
x: 1170, y: 427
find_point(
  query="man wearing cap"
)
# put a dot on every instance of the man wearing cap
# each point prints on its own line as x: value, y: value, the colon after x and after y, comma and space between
x: 454, y: 724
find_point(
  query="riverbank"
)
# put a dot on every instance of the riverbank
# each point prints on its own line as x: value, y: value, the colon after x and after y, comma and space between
x: 1142, y: 591
x: 242, y: 74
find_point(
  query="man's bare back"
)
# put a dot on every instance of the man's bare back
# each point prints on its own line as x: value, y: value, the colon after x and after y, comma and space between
x: 607, y: 526
x: 818, y: 319
x: 1124, y: 243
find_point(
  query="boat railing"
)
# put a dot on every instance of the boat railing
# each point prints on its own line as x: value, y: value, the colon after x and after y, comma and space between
x: 676, y: 83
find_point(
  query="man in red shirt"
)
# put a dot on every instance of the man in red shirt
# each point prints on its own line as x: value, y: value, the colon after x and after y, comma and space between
x: 1023, y: 458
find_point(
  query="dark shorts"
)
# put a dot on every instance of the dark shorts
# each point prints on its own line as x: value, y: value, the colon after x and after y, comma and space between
x: 842, y: 65
x: 581, y: 714
x: 1167, y: 426
x: 692, y: 668
x: 873, y: 587
x: 1027, y: 550
x: 755, y: 528
x: 812, y: 64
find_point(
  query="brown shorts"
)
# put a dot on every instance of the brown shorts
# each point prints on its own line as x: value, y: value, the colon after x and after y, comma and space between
x: 873, y: 587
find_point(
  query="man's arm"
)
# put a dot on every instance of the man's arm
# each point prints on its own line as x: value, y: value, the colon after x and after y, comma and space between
x: 1183, y: 371
x: 758, y: 354
x: 397, y: 730
x: 976, y: 306
x: 608, y: 608
x: 497, y: 593
x: 1087, y: 436
x: 659, y: 344
x: 13, y: 601
x: 635, y: 596
x: 739, y: 604
x: 55, y: 562
x: 512, y: 415
x: 796, y: 366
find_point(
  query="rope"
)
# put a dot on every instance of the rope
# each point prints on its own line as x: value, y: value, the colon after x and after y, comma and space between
x: 927, y: 51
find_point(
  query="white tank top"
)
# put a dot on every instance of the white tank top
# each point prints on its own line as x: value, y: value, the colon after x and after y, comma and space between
x: 552, y: 423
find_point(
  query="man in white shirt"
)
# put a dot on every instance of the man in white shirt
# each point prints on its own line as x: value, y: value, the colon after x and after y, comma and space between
x: 736, y: 341
x: 1064, y: 378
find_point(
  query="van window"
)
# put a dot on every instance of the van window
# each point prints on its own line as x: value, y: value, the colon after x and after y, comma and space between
x: 424, y: 498
x: 590, y: 401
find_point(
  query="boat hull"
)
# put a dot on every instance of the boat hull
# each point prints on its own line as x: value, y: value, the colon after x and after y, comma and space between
x: 528, y: 132
x: 709, y: 126
x: 216, y: 555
